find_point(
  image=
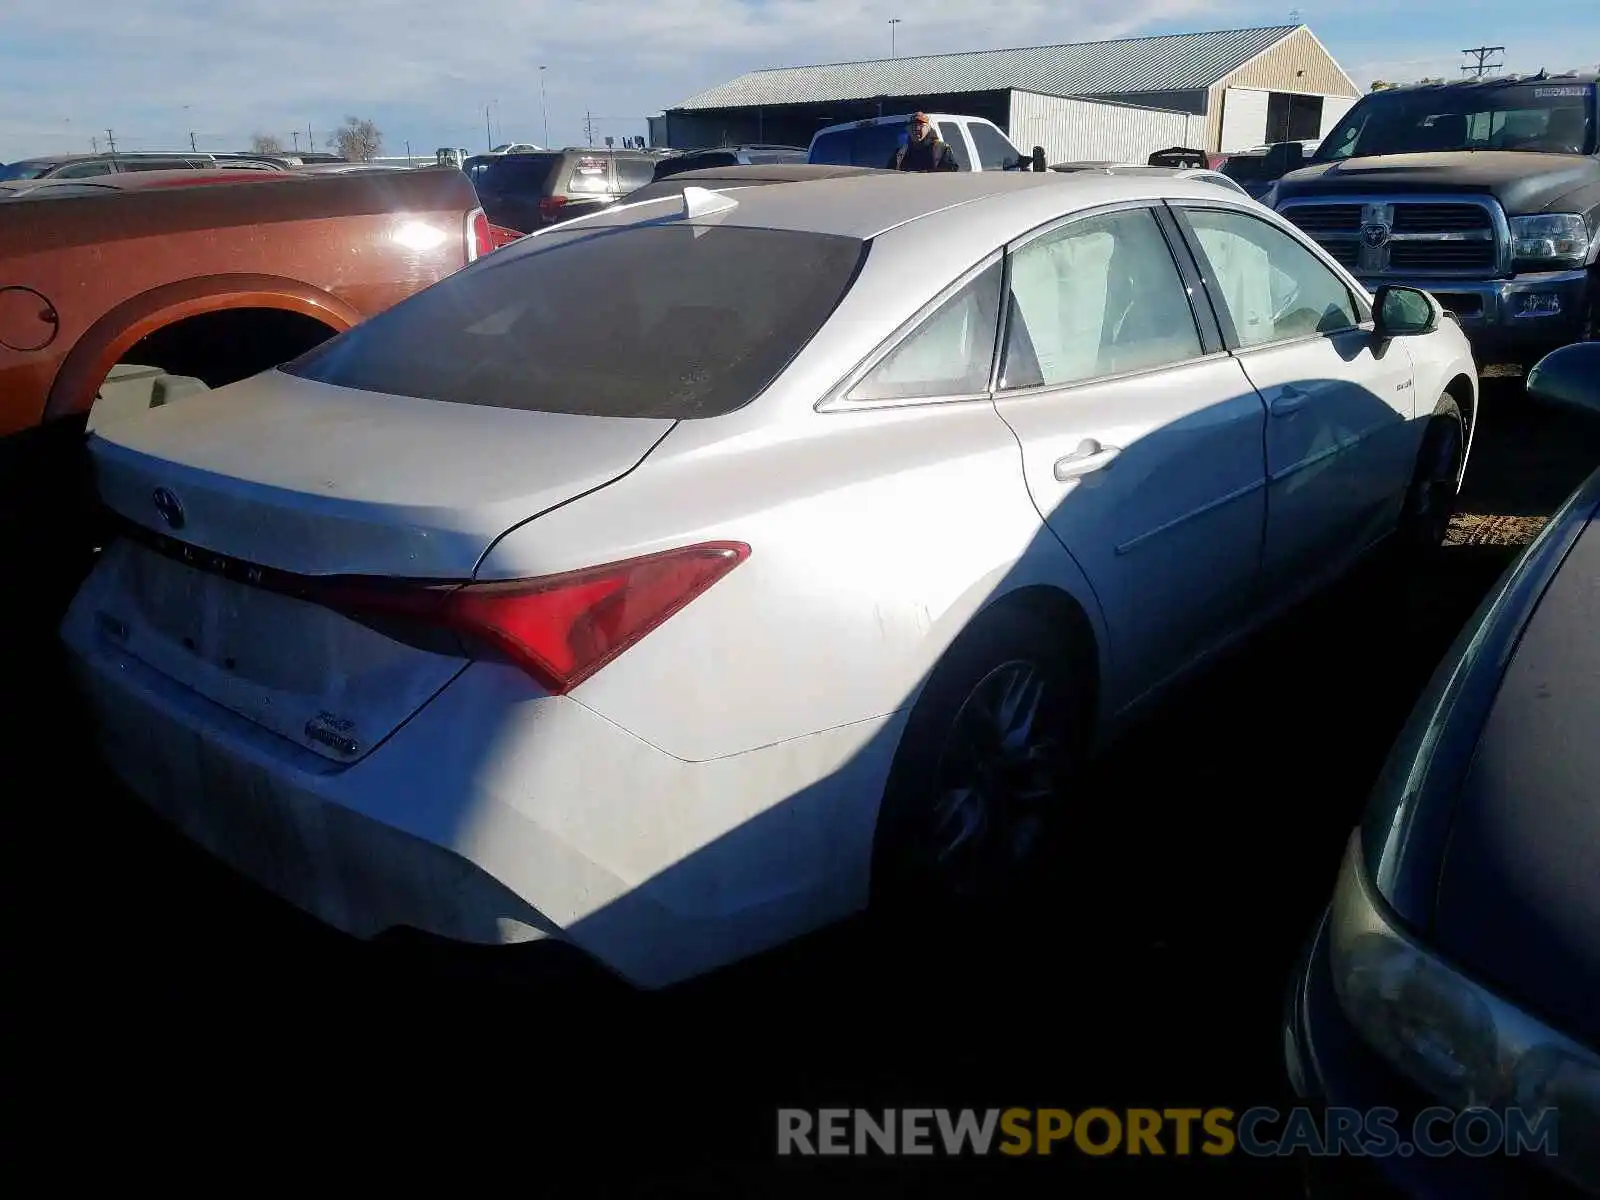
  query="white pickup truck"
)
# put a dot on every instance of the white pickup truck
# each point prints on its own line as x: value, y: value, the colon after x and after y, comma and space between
x: 978, y: 145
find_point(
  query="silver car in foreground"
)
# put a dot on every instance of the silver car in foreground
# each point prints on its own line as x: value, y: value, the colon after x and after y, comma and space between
x: 673, y: 582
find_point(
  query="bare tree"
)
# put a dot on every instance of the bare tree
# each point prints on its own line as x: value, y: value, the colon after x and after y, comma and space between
x: 358, y: 139
x: 265, y: 143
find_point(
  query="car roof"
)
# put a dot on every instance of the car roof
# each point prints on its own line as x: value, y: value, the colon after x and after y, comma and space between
x: 869, y: 204
x: 1454, y: 85
x: 136, y: 181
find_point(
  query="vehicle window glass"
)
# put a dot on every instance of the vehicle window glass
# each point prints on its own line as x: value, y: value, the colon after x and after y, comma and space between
x: 155, y: 164
x: 994, y: 152
x: 634, y: 173
x: 668, y: 321
x: 1273, y: 287
x: 862, y: 146
x: 950, y: 132
x: 23, y: 171
x: 520, y: 176
x: 84, y: 170
x: 591, y: 176
x: 949, y: 354
x: 1098, y: 297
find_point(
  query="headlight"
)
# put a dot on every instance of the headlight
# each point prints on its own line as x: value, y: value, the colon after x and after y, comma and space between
x: 1549, y: 239
x: 1453, y: 1038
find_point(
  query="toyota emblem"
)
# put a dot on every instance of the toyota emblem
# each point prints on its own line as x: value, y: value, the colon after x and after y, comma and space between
x: 1375, y: 235
x: 169, y: 507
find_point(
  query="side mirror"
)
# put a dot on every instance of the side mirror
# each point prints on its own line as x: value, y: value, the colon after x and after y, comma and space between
x: 1038, y: 159
x: 1404, y: 312
x: 1570, y: 375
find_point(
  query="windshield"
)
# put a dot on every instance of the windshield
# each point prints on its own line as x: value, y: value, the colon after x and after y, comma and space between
x: 672, y: 321
x: 24, y: 170
x: 1550, y: 118
x: 866, y: 146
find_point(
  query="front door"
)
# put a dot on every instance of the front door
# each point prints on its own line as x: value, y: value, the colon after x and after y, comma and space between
x: 1141, y: 438
x: 1341, y: 435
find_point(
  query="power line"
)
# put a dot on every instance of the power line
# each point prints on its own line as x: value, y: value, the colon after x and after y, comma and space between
x: 1483, y: 65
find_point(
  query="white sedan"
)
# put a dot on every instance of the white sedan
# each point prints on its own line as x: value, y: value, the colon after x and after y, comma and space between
x: 674, y: 582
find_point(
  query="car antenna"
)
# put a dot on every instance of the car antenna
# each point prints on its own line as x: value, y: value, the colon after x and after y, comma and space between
x: 702, y: 202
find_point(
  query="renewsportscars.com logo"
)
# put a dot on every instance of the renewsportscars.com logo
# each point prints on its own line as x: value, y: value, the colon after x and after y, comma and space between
x: 1216, y: 1132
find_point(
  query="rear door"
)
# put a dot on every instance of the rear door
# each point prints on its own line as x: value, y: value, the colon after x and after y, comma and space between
x: 1340, y: 438
x: 1141, y: 438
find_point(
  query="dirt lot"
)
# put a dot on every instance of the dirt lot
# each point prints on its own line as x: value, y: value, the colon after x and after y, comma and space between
x: 167, y: 989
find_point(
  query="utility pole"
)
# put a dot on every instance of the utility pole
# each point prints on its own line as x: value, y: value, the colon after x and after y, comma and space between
x: 192, y: 145
x: 296, y: 136
x: 311, y: 142
x: 112, y: 142
x: 488, y: 136
x: 95, y: 142
x: 544, y: 109
x: 1483, y: 66
x: 588, y: 127
x: 408, y: 152
x: 893, y: 21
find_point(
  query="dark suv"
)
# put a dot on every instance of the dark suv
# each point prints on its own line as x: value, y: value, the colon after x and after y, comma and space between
x: 728, y: 156
x: 526, y: 192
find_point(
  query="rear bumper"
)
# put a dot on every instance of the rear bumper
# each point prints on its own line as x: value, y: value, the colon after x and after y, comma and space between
x: 498, y: 814
x: 1511, y: 316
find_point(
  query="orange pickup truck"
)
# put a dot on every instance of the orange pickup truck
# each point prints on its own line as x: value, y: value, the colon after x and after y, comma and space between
x: 132, y: 290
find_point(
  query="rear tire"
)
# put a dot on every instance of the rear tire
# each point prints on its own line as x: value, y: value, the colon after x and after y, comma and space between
x: 1430, y: 501
x: 980, y: 781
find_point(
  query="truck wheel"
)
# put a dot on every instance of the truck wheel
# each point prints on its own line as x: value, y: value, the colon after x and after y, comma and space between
x: 1431, y: 499
x: 981, y: 778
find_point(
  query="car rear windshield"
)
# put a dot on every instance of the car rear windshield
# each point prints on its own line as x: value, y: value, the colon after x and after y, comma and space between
x: 864, y: 146
x: 521, y: 175
x: 1553, y: 117
x: 665, y: 321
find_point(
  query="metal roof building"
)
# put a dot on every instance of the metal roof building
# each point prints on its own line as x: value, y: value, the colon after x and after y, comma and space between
x: 1251, y: 86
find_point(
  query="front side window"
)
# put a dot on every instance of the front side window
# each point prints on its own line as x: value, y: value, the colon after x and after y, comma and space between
x: 664, y: 321
x: 994, y: 152
x: 949, y: 354
x: 84, y: 170
x: 1273, y: 287
x: 1098, y: 297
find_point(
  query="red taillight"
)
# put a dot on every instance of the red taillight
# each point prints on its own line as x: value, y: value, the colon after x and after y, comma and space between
x: 560, y: 629
x: 479, y: 241
x: 551, y: 206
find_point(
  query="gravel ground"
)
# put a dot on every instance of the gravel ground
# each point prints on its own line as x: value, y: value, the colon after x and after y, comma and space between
x: 174, y: 996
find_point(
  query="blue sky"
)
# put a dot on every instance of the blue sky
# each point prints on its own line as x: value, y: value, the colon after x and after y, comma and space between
x: 154, y: 71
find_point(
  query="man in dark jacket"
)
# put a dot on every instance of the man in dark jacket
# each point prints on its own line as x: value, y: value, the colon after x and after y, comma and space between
x: 924, y: 150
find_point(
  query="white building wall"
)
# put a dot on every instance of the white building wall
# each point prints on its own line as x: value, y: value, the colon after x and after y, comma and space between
x: 1244, y: 119
x: 1075, y: 130
x: 1333, y: 109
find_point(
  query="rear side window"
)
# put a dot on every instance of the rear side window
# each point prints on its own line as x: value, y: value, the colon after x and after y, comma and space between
x: 664, y: 321
x: 528, y: 176
x: 864, y: 146
x: 634, y: 173
x: 950, y: 132
x: 591, y: 176
x: 84, y: 170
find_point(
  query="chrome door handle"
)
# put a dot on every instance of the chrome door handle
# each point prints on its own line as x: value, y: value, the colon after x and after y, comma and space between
x: 1089, y: 456
x: 1288, y: 400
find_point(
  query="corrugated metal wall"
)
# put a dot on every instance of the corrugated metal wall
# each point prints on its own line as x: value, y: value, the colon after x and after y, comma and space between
x: 1073, y: 130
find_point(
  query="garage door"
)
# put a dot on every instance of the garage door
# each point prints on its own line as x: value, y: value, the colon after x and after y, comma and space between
x: 1244, y: 119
